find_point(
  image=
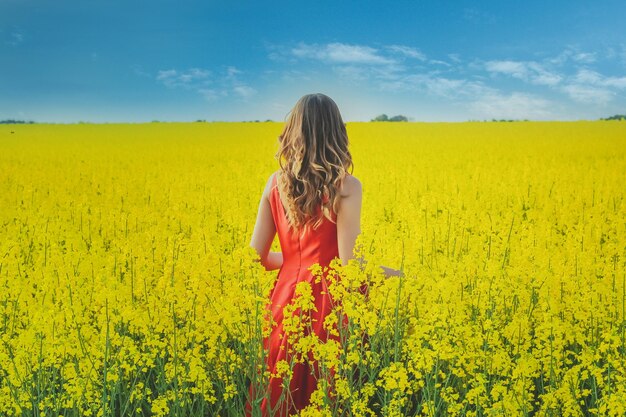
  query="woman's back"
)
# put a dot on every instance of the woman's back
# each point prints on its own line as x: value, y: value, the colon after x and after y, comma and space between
x: 302, y: 249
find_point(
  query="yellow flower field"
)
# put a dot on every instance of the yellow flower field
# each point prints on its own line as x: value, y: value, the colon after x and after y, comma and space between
x: 127, y: 286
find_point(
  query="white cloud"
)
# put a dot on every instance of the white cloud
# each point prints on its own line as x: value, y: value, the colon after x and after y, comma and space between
x: 546, y: 78
x: 588, y: 94
x: 15, y: 38
x: 209, y: 86
x: 438, y: 62
x: 279, y: 53
x: 516, y: 105
x: 357, y: 73
x: 437, y: 86
x: 166, y: 76
x: 445, y: 87
x: 407, y: 51
x: 232, y: 84
x: 210, y: 94
x: 584, y: 57
x: 573, y: 54
x: 232, y: 72
x: 589, y: 86
x: 194, y: 74
x: 512, y: 68
x: 404, y: 69
x: 190, y: 79
x: 528, y: 71
x: 244, y: 91
x: 358, y: 63
x: 587, y: 76
x: 353, y: 73
x: 379, y: 67
x: 340, y: 53
x: 618, y: 82
x: 585, y: 86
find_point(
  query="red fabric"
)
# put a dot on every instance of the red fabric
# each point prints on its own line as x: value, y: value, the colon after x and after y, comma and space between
x: 300, y: 251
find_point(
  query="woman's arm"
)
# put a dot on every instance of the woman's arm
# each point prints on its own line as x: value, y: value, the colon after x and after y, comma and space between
x: 264, y: 232
x: 349, y: 218
x: 349, y: 224
x: 273, y: 261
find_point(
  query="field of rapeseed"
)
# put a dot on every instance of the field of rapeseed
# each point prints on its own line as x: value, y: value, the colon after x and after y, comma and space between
x: 127, y: 286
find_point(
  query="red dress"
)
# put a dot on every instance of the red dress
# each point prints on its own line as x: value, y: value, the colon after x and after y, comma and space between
x: 300, y: 251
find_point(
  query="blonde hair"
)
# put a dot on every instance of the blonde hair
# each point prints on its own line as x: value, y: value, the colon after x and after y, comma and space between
x: 314, y: 159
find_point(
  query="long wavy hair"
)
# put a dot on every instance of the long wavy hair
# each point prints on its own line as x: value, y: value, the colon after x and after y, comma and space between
x: 314, y: 159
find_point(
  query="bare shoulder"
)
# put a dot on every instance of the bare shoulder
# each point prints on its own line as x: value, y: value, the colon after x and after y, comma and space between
x: 268, y: 184
x: 271, y: 178
x: 350, y: 186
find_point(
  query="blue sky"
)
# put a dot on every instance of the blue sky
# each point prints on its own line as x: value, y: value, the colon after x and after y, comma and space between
x: 136, y: 61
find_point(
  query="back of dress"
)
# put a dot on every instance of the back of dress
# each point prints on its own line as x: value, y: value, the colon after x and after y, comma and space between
x: 300, y: 251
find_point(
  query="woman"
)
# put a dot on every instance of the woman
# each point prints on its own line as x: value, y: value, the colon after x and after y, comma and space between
x: 314, y: 204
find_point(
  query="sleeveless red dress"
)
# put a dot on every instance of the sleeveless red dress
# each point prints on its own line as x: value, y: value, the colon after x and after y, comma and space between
x: 300, y: 251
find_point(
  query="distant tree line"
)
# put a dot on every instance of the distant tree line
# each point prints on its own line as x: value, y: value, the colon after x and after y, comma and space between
x: 616, y: 117
x: 380, y: 118
x: 243, y: 121
x: 15, y: 122
x: 385, y: 118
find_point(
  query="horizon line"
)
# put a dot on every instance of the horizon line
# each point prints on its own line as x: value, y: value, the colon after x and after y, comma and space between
x: 29, y: 122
